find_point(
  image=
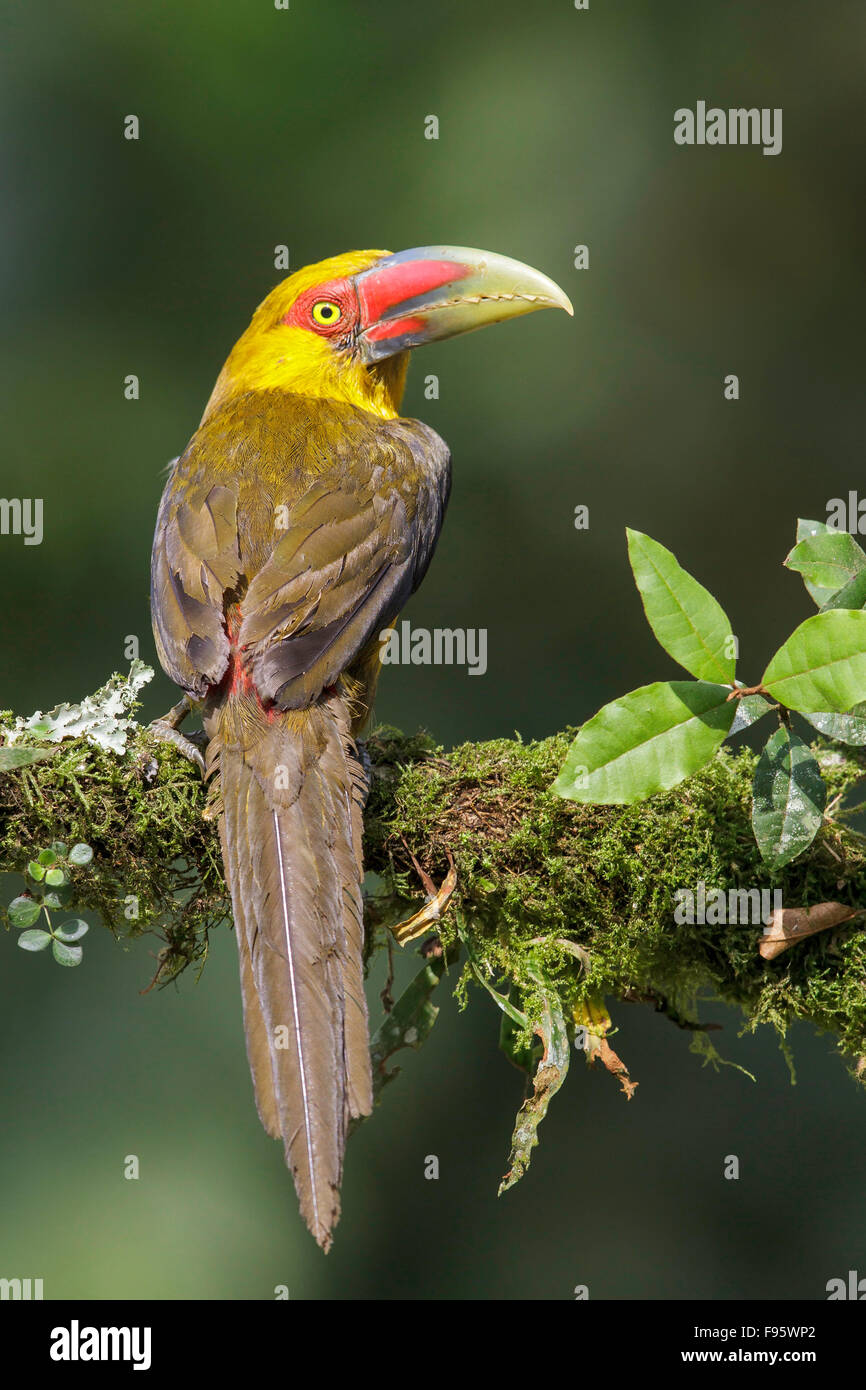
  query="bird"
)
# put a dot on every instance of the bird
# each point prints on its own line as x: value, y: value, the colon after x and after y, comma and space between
x: 292, y: 530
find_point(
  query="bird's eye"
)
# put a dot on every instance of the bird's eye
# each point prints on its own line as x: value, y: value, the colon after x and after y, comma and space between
x: 326, y: 313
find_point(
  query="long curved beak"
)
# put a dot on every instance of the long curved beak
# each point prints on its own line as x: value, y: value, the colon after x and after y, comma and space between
x: 434, y: 292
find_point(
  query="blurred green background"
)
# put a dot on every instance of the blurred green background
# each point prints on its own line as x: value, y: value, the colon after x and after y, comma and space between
x: 306, y: 127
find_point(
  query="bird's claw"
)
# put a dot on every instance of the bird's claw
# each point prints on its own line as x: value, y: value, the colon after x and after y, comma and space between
x: 167, y: 731
x: 166, y: 734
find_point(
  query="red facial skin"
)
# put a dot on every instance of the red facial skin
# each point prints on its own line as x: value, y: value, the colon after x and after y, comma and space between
x: 364, y: 302
x: 342, y: 292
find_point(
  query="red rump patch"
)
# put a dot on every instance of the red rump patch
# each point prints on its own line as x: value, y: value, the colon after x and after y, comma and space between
x: 384, y: 289
x: 238, y: 679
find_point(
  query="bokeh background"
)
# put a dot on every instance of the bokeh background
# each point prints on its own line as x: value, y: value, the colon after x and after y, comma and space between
x: 306, y: 127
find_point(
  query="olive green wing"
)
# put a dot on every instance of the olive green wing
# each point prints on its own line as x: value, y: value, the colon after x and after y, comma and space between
x: 194, y: 563
x: 354, y: 548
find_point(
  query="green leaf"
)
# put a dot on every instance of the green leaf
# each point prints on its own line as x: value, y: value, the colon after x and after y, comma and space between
x: 34, y: 940
x: 23, y: 911
x: 46, y: 856
x: 550, y: 1073
x: 810, y: 528
x: 499, y: 999
x: 35, y: 871
x: 80, y: 855
x: 844, y: 728
x: 407, y: 1025
x: 822, y: 666
x: 73, y: 930
x: 646, y: 742
x: 788, y: 798
x: 55, y: 878
x: 20, y: 755
x: 689, y: 623
x: 66, y: 955
x: 749, y: 710
x: 851, y: 595
x: 827, y: 559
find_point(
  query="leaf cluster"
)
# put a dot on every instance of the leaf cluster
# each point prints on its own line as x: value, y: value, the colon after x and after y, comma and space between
x: 49, y: 887
x: 655, y: 737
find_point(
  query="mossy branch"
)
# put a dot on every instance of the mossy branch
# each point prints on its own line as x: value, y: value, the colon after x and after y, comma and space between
x: 553, y: 899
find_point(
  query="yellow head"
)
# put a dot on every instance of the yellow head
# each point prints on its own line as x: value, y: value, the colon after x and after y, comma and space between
x: 343, y: 328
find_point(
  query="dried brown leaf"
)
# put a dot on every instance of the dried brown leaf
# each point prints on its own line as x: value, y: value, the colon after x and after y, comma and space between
x: 792, y: 924
x: 616, y: 1067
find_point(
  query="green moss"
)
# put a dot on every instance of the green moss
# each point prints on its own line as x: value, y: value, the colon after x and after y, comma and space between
x: 535, y: 872
x: 537, y: 877
x: 156, y: 865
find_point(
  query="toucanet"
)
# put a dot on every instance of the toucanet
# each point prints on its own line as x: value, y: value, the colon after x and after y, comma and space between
x: 292, y: 530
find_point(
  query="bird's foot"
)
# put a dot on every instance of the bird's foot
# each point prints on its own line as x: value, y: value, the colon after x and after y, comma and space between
x: 435, y: 906
x: 167, y: 730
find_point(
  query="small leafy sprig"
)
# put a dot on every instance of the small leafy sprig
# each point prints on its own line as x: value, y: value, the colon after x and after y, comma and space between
x: 49, y: 873
x: 652, y: 738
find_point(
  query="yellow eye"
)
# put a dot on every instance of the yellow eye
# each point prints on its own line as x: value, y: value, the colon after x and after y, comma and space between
x: 326, y: 313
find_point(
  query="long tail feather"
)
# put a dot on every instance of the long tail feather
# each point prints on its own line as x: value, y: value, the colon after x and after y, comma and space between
x: 291, y: 834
